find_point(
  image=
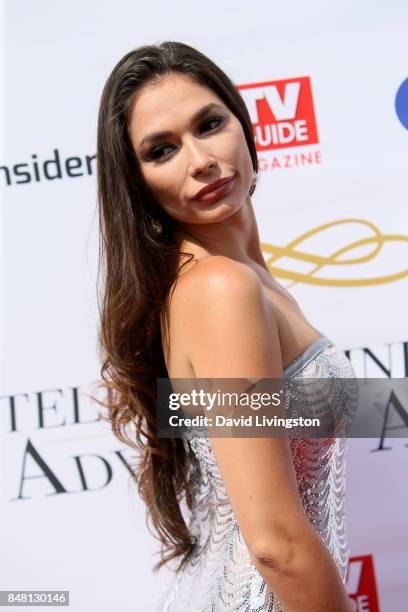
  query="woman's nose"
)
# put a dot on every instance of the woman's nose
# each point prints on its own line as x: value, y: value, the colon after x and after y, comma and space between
x: 200, y: 159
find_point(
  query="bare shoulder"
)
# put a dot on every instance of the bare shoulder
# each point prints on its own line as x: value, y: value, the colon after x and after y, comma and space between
x: 215, y: 287
x: 228, y: 330
x: 220, y: 274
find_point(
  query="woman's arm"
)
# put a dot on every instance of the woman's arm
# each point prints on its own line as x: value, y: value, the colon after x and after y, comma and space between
x: 229, y: 332
x: 304, y: 577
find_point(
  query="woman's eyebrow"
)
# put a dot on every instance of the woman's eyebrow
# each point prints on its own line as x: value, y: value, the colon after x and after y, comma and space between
x: 196, y: 117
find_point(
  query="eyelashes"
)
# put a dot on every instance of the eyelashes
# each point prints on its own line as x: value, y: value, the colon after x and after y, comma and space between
x: 154, y: 154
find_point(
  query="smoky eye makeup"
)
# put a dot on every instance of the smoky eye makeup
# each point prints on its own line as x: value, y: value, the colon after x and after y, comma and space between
x: 158, y: 152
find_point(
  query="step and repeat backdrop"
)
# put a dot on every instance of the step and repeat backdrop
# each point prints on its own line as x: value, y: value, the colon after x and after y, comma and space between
x: 326, y: 85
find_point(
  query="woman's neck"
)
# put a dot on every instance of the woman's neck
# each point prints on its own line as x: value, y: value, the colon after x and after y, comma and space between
x: 236, y: 237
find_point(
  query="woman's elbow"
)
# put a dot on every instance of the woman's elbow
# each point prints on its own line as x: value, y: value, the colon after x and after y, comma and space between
x: 277, y: 551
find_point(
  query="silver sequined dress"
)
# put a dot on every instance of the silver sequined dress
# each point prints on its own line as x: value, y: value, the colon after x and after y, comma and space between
x: 221, y: 576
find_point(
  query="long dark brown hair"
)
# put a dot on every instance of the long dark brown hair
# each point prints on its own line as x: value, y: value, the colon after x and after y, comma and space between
x: 136, y: 270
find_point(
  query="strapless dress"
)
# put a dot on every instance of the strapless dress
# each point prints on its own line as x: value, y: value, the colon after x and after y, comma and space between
x: 220, y: 576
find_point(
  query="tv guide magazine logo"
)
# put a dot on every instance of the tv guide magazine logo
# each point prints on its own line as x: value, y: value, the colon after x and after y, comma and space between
x: 282, y: 113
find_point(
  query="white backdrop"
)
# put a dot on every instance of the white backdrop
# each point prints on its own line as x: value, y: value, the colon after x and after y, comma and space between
x: 69, y: 519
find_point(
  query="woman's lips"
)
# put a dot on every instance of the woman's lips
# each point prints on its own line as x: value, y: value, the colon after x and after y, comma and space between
x: 218, y: 192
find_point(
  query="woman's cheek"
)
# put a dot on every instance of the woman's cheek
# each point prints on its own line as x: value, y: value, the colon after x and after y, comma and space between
x: 153, y: 180
x: 165, y: 189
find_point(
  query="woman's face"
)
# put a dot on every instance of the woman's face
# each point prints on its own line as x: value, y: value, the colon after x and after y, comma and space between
x: 194, y: 153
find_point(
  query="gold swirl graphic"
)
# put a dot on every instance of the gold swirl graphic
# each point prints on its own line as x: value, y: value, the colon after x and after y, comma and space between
x: 290, y: 250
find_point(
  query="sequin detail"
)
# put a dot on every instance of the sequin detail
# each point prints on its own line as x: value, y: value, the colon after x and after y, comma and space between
x: 221, y: 576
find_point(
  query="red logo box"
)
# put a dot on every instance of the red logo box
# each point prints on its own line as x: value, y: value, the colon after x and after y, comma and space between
x: 282, y: 113
x: 361, y: 584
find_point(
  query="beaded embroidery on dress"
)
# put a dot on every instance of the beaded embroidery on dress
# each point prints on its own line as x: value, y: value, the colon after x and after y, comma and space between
x: 221, y: 576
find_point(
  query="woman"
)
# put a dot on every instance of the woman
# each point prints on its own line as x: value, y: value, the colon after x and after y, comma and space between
x: 255, y: 523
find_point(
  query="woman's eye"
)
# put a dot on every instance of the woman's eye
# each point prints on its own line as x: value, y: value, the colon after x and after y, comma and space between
x: 218, y: 121
x: 156, y: 154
